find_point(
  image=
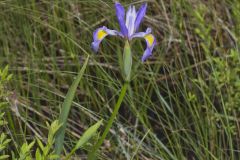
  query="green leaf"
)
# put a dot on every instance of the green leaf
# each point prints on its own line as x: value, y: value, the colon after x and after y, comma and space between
x: 127, y: 61
x: 85, y: 137
x: 40, y: 144
x: 6, y: 141
x: 53, y: 157
x: 38, y: 155
x: 3, y: 105
x: 2, y: 148
x: 30, y: 145
x: 5, y: 72
x: 9, y: 77
x: 3, y: 123
x: 66, y: 106
x: 2, y: 137
x: 4, y: 157
x: 2, y: 114
x: 88, y: 134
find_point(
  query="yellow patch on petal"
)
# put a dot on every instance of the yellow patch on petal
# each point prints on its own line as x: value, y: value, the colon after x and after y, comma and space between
x: 150, y: 39
x: 101, y: 34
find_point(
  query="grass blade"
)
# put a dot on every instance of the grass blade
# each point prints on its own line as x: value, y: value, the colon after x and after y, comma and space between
x: 66, y: 108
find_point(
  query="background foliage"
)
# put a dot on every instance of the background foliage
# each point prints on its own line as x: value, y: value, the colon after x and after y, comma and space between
x: 183, y: 102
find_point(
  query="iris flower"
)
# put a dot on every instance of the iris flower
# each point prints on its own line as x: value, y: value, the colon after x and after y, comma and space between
x: 129, y: 26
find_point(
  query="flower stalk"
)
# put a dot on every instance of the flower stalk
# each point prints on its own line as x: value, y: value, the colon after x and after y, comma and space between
x: 92, y: 153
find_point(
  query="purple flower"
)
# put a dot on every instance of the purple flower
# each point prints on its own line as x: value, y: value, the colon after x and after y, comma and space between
x: 129, y: 26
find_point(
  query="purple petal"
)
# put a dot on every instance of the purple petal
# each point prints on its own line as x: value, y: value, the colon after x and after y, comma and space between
x: 130, y: 20
x: 150, y: 40
x: 120, y: 12
x: 95, y: 46
x: 140, y: 14
x: 141, y: 34
x: 150, y: 46
x: 99, y: 34
x: 147, y: 53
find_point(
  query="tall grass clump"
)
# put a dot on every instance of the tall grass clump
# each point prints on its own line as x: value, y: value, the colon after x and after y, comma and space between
x: 182, y: 103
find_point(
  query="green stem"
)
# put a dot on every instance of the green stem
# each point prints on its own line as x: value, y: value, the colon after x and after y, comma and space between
x: 92, y: 154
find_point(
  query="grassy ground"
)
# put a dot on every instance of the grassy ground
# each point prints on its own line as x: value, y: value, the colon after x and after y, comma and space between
x: 183, y: 103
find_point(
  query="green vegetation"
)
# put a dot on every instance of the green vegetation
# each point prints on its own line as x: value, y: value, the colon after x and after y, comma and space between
x: 182, y: 103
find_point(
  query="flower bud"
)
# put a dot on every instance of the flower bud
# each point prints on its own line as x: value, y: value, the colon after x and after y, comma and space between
x: 127, y: 61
